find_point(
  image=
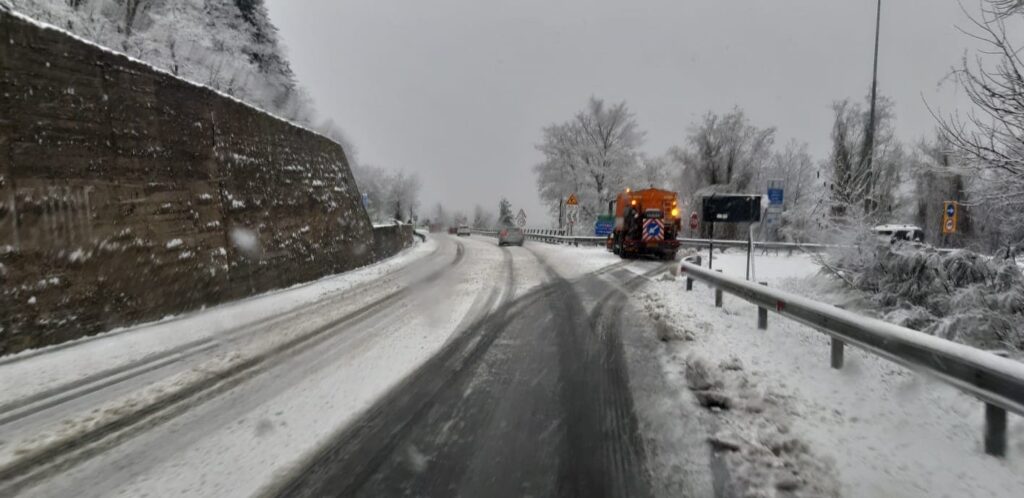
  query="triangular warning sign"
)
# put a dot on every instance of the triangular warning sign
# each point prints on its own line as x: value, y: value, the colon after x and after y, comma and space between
x: 572, y: 200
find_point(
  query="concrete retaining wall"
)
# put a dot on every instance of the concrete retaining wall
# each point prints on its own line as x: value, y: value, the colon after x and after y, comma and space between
x: 127, y: 194
x: 392, y: 239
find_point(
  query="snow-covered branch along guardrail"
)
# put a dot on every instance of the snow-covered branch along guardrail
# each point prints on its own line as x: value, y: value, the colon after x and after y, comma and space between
x: 997, y: 381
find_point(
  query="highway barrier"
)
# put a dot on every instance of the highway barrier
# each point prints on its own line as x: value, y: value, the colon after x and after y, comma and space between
x: 997, y: 381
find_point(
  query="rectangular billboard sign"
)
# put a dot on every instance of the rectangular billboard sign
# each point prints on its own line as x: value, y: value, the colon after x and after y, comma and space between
x: 732, y: 208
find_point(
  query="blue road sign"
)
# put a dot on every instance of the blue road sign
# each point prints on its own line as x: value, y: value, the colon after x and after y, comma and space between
x: 604, y: 225
x: 775, y: 196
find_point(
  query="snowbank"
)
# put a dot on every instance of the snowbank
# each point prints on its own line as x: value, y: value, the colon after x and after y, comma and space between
x: 888, y: 430
x: 754, y: 435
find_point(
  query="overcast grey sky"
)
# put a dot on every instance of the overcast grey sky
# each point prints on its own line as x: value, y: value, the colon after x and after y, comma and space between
x: 458, y: 90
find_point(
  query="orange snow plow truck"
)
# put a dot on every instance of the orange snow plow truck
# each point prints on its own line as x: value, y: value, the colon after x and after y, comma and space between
x: 646, y: 223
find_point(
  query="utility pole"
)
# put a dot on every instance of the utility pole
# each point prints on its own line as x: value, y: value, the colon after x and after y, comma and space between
x: 869, y: 136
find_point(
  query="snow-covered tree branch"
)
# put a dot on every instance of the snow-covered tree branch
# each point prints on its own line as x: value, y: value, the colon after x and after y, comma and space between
x: 592, y: 155
x: 989, y: 138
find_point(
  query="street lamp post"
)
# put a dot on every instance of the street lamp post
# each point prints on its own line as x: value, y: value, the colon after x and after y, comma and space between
x: 869, y: 138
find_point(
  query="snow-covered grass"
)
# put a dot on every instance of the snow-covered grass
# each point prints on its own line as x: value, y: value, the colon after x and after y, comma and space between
x: 772, y: 268
x: 888, y: 431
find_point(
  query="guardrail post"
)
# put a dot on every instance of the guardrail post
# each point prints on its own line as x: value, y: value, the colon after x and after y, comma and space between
x: 837, y: 353
x: 762, y: 314
x: 718, y: 295
x: 995, y: 430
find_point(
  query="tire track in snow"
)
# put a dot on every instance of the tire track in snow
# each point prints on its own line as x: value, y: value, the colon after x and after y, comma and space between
x: 41, y: 462
x: 484, y: 379
x: 61, y: 394
x: 49, y: 398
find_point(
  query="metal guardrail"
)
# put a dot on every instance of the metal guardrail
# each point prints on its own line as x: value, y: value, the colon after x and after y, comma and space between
x: 543, y: 231
x: 568, y: 239
x: 789, y: 246
x: 558, y: 237
x: 686, y: 242
x: 550, y: 237
x: 995, y: 380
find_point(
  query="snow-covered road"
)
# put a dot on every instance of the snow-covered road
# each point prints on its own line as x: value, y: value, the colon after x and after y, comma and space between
x: 235, y: 395
x: 533, y: 400
x: 458, y: 367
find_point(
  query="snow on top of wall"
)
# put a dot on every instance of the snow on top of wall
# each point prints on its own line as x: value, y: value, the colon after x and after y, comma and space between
x: 9, y: 10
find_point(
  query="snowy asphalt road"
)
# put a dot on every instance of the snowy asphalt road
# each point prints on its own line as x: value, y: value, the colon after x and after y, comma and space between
x: 533, y: 400
x: 498, y: 377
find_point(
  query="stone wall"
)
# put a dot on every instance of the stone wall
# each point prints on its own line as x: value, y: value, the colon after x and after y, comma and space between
x: 390, y: 240
x: 127, y: 194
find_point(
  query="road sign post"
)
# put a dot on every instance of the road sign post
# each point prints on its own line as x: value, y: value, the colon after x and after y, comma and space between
x: 730, y: 208
x: 572, y: 205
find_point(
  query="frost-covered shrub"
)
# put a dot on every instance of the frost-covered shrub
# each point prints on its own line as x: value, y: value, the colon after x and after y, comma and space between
x: 962, y: 296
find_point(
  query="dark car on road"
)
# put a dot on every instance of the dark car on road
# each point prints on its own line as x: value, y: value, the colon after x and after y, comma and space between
x: 511, y: 237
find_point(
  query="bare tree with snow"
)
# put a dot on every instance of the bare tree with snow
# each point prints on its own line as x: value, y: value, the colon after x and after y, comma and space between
x: 723, y: 153
x: 592, y: 155
x: 391, y: 194
x: 482, y: 218
x: 801, y: 180
x: 229, y: 45
x: 864, y: 190
x: 989, y: 138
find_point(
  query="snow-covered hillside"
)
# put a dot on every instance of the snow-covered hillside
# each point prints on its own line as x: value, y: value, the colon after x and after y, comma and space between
x: 229, y: 45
